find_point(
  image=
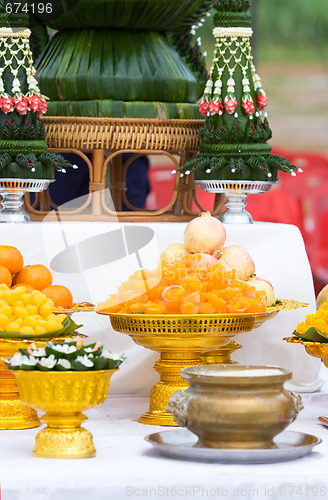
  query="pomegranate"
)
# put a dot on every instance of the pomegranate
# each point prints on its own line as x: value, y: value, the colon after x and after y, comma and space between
x: 174, y: 251
x: 236, y: 257
x: 266, y: 286
x: 204, y: 234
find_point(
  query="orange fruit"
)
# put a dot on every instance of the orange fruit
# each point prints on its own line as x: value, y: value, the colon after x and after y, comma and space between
x: 29, y: 288
x: 60, y: 295
x: 5, y: 276
x: 11, y: 258
x: 37, y: 275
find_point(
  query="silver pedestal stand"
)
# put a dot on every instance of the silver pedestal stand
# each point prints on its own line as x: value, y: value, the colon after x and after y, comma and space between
x: 235, y: 192
x: 12, y: 192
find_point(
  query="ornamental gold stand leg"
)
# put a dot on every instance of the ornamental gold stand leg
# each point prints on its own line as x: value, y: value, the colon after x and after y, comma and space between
x: 221, y: 355
x: 64, y: 437
x: 14, y: 414
x: 168, y: 366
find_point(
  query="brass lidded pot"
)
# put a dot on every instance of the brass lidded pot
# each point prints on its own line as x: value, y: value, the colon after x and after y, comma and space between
x: 235, y: 406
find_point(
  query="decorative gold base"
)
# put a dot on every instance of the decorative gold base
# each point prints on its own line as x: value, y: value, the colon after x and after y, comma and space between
x: 15, y: 415
x: 159, y: 398
x: 63, y: 395
x: 169, y: 367
x: 221, y: 355
x: 59, y: 443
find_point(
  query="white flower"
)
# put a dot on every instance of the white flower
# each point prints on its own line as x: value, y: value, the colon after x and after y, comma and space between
x: 30, y: 361
x: 84, y: 360
x: 110, y: 355
x: 48, y: 362
x: 17, y: 358
x: 65, y: 348
x: 64, y: 363
x: 39, y: 353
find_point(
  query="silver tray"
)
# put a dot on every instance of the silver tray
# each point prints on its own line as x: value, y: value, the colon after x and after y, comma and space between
x: 180, y: 443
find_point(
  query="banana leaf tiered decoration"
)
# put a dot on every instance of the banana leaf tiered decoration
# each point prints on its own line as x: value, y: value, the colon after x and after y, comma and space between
x: 123, y: 58
x: 236, y: 130
x: 23, y: 150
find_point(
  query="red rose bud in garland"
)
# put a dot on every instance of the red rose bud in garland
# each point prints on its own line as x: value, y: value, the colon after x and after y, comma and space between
x: 204, y: 106
x: 248, y: 104
x: 33, y: 101
x: 42, y: 107
x: 261, y: 99
x: 230, y: 103
x: 215, y: 106
x: 6, y: 104
x: 20, y: 103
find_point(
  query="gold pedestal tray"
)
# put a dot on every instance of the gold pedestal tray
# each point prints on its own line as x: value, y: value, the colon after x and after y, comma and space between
x: 63, y: 396
x: 180, y: 340
x: 14, y: 414
x: 315, y: 349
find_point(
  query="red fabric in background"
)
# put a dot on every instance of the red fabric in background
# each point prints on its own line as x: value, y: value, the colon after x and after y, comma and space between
x: 298, y: 200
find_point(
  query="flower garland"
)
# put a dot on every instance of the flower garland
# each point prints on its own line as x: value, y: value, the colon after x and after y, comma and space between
x: 15, y: 50
x: 232, y: 49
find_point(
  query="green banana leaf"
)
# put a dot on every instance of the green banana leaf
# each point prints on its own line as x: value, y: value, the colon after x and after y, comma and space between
x: 68, y: 327
x: 119, y: 65
x: 313, y: 335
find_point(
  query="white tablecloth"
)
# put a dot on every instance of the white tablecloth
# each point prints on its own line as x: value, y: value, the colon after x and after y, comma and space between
x: 126, y: 466
x: 115, y: 253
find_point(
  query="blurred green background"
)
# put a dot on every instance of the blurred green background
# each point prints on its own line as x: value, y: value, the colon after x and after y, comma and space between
x: 285, y: 31
x: 290, y: 48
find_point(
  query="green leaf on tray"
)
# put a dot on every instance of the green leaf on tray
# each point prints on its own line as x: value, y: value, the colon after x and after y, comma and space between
x: 68, y: 327
x: 313, y: 335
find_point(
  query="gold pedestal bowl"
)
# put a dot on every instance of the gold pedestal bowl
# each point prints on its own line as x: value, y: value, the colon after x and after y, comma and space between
x: 14, y: 414
x: 181, y: 341
x: 63, y: 395
x: 315, y: 349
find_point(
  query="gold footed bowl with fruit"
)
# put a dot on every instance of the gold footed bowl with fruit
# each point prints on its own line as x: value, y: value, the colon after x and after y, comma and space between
x: 63, y: 395
x: 181, y: 341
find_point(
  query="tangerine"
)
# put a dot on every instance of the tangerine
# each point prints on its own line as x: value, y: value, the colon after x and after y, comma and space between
x: 37, y: 275
x: 60, y: 295
x: 5, y: 276
x: 28, y: 288
x: 11, y: 258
